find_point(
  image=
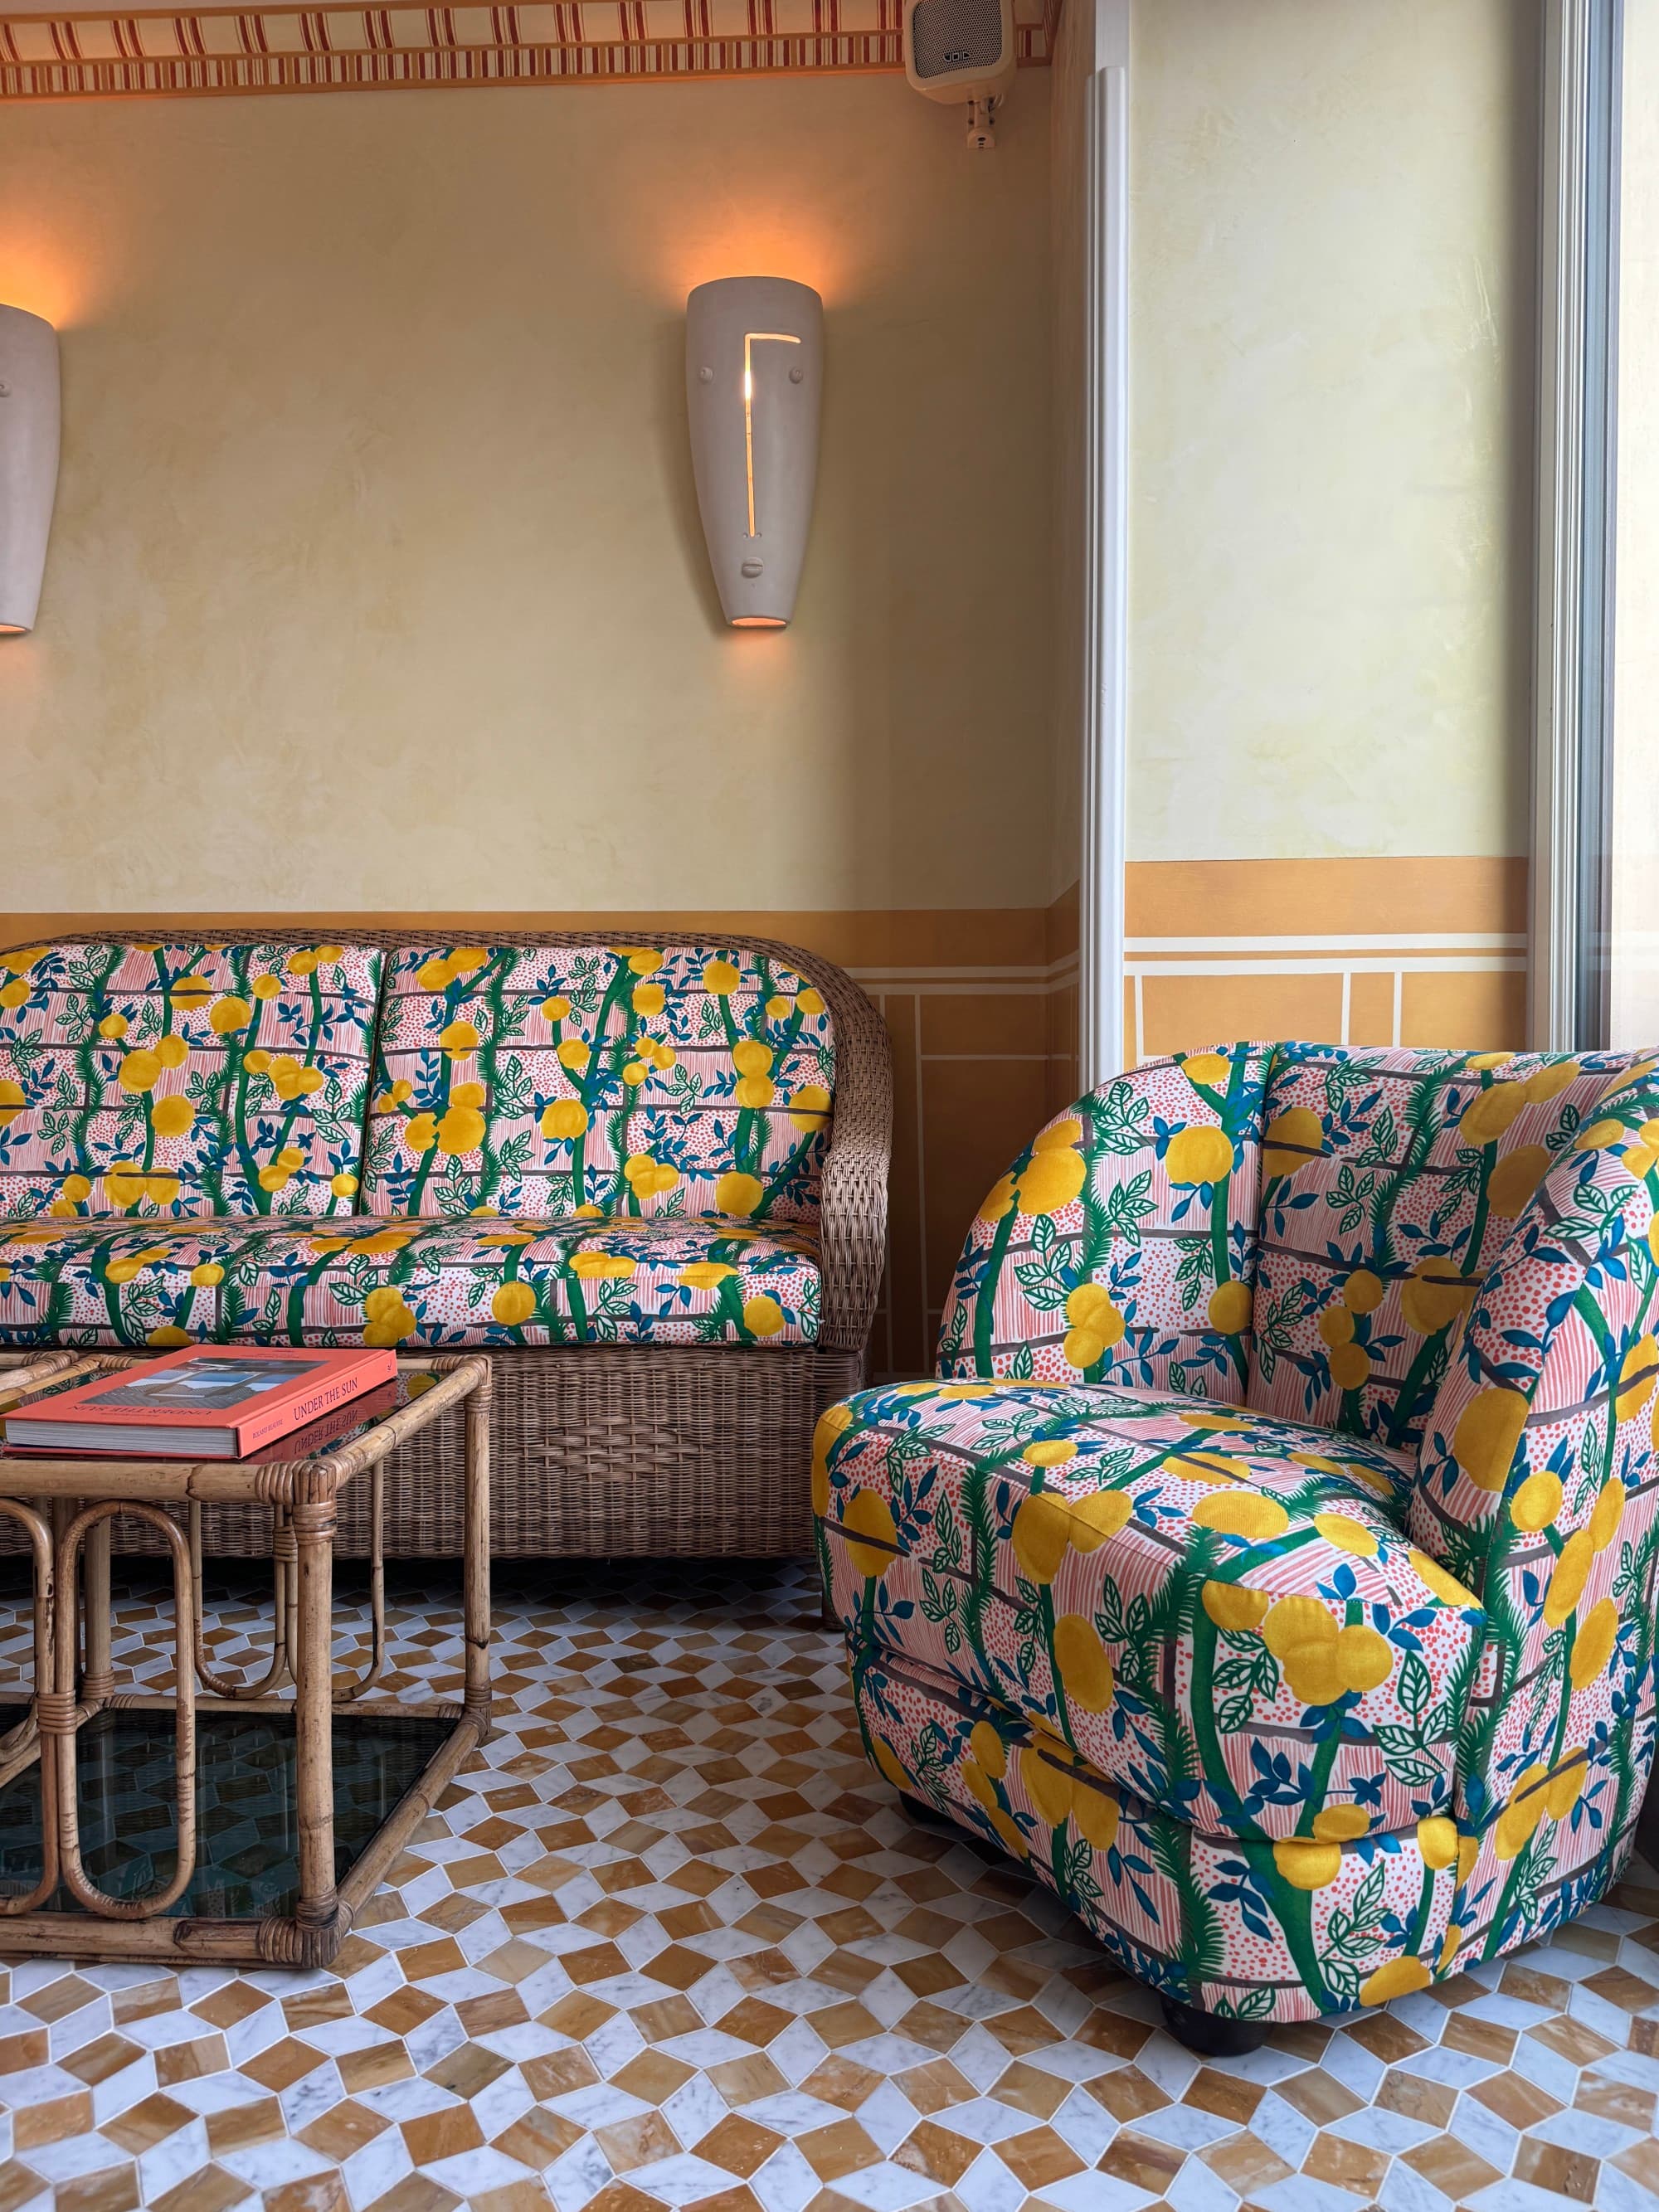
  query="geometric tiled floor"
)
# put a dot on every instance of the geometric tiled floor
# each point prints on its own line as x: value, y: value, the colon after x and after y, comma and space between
x: 670, y: 1943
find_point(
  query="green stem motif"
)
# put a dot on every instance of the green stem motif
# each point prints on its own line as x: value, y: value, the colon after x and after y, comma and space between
x: 987, y: 1299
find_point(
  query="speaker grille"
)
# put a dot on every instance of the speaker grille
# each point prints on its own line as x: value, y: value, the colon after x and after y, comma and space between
x: 949, y: 36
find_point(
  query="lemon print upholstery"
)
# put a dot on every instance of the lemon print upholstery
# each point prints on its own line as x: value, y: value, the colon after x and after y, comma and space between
x: 1271, y: 1564
x: 479, y: 1279
x: 636, y: 1079
x: 157, y: 1081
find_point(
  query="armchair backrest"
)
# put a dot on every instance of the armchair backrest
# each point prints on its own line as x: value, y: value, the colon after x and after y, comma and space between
x: 1391, y: 1178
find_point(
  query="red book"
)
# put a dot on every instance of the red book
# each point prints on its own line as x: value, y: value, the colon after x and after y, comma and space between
x: 208, y: 1402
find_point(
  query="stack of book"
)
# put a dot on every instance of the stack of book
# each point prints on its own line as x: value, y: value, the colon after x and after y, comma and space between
x: 210, y: 1402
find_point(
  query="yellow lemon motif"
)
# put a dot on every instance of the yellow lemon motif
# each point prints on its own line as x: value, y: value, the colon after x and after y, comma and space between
x: 207, y: 1276
x: 987, y: 1748
x: 1436, y: 1840
x: 648, y: 998
x: 1445, y: 1587
x: 1637, y: 1374
x: 1487, y: 1433
x: 872, y: 1537
x: 1489, y: 1113
x: 113, y: 1027
x: 1307, y: 1863
x: 1290, y: 1140
x: 1449, y: 1948
x: 1209, y: 1068
x: 230, y: 1015
x: 738, y: 1193
x: 1042, y: 1529
x: 1468, y: 1850
x: 388, y: 1319
x: 1599, y: 1136
x: 564, y: 1119
x: 1340, y: 1824
x: 978, y: 1785
x: 1395, y: 1977
x: 601, y: 1266
x: 1351, y: 1366
x: 1336, y: 1325
x: 1095, y: 1813
x: 1233, y: 1606
x: 1081, y: 1663
x: 76, y: 1187
x: 809, y: 1107
x: 1435, y: 1294
x: 1608, y: 1512
x: 1302, y: 1636
x: 1047, y: 1782
x: 721, y: 978
x: 1205, y: 1467
x: 1198, y: 1155
x: 1362, y: 1291
x: 888, y: 1761
x: 1550, y: 1081
x: 1093, y: 1519
x: 763, y: 1317
x: 1050, y: 1181
x: 1347, y: 1533
x: 1561, y: 1791
x: 750, y: 1057
x: 1537, y: 1502
x: 1229, y: 1309
x: 167, y: 1339
x: 140, y: 1070
x: 1516, y: 1177
x: 172, y: 1116
x: 1592, y: 1647
x: 1052, y: 1451
x: 1245, y: 1513
x: 460, y: 1131
x: 513, y: 1303
x: 1364, y: 1660
x: 1521, y: 1816
x: 706, y: 1275
x: 1567, y: 1582
x: 998, y: 1200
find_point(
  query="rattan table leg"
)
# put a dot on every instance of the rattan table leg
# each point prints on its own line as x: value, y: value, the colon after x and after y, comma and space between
x: 97, y: 1667
x: 311, y: 1659
x: 475, y: 1602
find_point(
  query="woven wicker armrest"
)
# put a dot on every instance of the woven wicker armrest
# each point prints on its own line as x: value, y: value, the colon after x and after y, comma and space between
x: 854, y: 1192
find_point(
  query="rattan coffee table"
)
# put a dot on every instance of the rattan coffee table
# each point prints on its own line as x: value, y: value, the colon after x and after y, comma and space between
x: 225, y: 1821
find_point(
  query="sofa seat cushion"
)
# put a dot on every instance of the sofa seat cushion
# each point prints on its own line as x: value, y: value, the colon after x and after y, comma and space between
x: 165, y: 1081
x: 1256, y: 1930
x: 628, y: 1079
x: 1391, y: 1180
x: 481, y: 1279
x: 1218, y: 1611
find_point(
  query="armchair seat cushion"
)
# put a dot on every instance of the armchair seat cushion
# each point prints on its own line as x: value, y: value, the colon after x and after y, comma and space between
x: 1217, y: 1611
x: 478, y: 1279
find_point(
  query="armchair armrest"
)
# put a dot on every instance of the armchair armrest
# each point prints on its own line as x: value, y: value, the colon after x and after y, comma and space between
x: 1536, y: 1488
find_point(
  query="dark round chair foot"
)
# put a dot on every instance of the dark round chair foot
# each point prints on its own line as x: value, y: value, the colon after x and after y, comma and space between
x: 924, y: 1814
x: 1208, y: 2036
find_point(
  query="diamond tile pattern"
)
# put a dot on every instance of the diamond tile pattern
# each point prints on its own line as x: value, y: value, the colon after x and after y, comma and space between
x: 669, y: 1942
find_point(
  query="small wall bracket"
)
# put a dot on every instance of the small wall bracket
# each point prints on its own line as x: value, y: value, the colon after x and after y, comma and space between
x: 981, y: 125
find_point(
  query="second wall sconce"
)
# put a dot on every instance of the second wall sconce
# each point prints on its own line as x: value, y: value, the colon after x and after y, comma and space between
x: 754, y: 372
x: 28, y: 461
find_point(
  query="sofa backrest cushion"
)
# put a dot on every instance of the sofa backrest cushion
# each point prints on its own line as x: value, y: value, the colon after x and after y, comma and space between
x: 183, y: 1079
x: 1390, y: 1179
x: 551, y: 1081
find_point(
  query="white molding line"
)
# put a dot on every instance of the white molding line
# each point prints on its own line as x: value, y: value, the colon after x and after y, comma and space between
x: 1571, y: 681
x: 1105, y: 578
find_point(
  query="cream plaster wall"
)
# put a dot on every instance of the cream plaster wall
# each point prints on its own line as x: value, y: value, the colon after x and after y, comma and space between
x: 376, y: 580
x: 1331, y: 368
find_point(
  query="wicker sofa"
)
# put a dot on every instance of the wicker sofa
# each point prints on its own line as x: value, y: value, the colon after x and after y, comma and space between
x: 650, y: 1176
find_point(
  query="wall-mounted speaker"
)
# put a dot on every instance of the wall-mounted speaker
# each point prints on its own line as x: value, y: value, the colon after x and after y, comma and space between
x: 959, y: 50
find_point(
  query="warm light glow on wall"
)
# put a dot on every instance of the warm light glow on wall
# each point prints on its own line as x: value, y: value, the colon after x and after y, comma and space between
x: 28, y: 461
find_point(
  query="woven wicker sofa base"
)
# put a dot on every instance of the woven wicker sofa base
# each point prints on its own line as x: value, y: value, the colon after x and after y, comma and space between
x: 599, y: 1451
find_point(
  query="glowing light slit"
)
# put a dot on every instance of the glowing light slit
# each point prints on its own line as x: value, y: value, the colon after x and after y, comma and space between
x: 753, y: 339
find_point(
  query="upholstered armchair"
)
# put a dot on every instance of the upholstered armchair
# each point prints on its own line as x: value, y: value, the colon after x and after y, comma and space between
x: 1270, y: 1563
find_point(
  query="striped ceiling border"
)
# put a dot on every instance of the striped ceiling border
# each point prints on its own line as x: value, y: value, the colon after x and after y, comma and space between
x: 153, y: 53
